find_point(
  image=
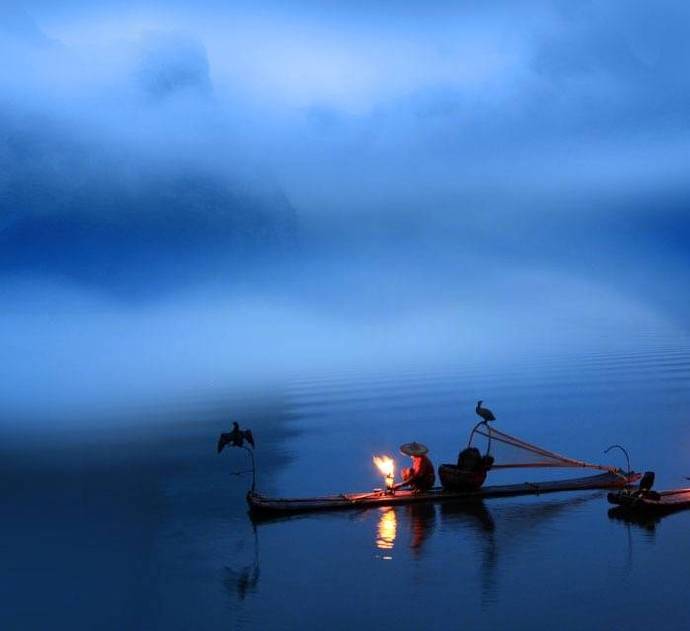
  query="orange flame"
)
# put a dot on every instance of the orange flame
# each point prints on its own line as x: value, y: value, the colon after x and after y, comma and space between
x: 385, y: 464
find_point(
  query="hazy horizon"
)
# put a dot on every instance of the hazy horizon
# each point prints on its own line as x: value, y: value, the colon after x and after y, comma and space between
x: 196, y: 196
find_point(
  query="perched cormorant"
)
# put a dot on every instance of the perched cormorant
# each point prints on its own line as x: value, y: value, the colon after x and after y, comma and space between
x: 235, y: 438
x: 485, y: 413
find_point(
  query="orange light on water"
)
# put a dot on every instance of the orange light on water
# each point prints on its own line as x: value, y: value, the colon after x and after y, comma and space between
x: 387, y: 530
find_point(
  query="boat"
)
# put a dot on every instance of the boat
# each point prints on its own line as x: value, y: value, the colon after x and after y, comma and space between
x: 502, y: 451
x: 461, y: 482
x: 657, y: 502
x: 260, y: 504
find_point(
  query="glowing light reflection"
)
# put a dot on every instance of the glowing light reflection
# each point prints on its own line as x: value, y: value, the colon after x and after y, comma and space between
x: 387, y: 530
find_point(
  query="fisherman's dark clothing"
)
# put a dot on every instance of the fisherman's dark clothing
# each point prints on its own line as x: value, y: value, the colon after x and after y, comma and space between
x: 420, y: 476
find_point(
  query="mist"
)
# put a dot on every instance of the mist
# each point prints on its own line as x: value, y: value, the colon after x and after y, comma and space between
x: 197, y: 198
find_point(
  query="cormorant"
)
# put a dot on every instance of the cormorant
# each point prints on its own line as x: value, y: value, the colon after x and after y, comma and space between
x: 235, y: 438
x: 485, y: 413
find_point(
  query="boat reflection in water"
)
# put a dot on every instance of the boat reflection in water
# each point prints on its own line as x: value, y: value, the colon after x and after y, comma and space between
x: 515, y: 524
x: 419, y: 519
x: 407, y: 529
x: 646, y: 521
x: 422, y: 520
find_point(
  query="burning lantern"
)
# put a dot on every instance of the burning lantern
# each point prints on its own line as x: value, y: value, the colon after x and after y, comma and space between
x: 386, y: 465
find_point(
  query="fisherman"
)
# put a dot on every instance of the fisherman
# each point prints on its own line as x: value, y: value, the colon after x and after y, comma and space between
x: 420, y: 476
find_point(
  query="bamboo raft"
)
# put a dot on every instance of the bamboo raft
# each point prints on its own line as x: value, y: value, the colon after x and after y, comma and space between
x: 261, y: 504
x: 661, y: 502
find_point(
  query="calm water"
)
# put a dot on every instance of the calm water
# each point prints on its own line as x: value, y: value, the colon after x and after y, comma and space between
x: 148, y: 528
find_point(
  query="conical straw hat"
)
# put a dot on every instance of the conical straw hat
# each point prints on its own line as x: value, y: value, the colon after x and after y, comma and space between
x: 413, y: 449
